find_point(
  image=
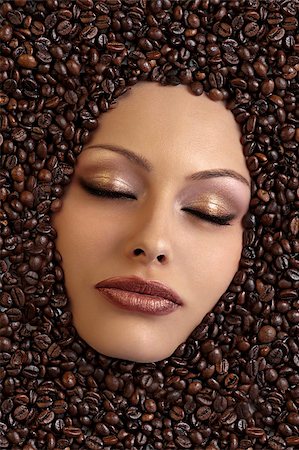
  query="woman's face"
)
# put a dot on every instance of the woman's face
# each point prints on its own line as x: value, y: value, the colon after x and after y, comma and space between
x: 179, y: 160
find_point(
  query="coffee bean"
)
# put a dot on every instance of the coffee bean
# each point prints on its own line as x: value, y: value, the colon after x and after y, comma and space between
x: 30, y: 372
x: 74, y: 68
x: 228, y: 417
x: 5, y: 344
x: 220, y: 404
x: 94, y: 443
x: 42, y: 341
x: 4, y: 442
x: 231, y: 380
x: 183, y: 442
x: 21, y: 413
x: 69, y: 380
x: 292, y: 440
x: 267, y: 334
x: 115, y: 47
x: 6, y: 33
x: 27, y: 61
x: 89, y: 32
x: 224, y: 30
x: 287, y: 133
x: 251, y: 29
x: 13, y: 437
x: 215, y: 94
x: 203, y: 413
x: 276, y: 34
x: 31, y: 277
x: 197, y: 88
x: 193, y: 20
x: 18, y: 296
x: 15, y: 17
x: 64, y: 28
x: 45, y: 417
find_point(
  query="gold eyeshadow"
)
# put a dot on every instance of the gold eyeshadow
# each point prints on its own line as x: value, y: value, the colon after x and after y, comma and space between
x: 213, y: 204
x: 108, y: 181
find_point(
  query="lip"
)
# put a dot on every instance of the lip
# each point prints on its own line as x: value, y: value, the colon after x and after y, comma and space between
x: 136, y: 294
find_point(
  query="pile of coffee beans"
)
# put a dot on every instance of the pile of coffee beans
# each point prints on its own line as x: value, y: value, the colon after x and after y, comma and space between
x: 234, y: 383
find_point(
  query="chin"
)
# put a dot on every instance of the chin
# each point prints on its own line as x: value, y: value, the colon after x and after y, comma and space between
x: 140, y: 347
x: 148, y: 356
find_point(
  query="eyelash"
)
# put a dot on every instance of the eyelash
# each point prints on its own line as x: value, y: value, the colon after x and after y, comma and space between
x: 117, y: 195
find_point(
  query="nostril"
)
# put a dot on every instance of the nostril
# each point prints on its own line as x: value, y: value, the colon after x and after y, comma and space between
x: 137, y: 252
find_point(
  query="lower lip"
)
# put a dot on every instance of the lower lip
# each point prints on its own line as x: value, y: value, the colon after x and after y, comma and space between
x: 134, y: 301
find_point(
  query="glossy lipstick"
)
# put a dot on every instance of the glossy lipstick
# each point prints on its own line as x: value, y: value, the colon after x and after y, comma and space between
x: 135, y: 294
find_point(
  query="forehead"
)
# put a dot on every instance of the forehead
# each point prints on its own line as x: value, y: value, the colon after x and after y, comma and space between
x: 153, y: 103
x: 170, y: 122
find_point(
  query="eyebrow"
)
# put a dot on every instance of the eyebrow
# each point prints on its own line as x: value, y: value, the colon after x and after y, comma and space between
x: 141, y: 161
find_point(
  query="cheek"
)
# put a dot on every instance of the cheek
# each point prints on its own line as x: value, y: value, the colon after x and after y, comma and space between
x: 217, y: 260
x: 84, y: 234
x: 229, y: 249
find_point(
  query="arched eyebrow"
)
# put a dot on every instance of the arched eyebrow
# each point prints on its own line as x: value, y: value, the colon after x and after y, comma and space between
x: 205, y: 174
x: 138, y: 159
x: 141, y: 161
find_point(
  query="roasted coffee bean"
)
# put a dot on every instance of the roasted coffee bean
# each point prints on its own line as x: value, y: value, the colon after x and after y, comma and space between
x: 203, y: 413
x: 73, y: 67
x: 21, y: 413
x: 94, y: 443
x: 64, y: 28
x: 115, y: 47
x: 30, y: 372
x: 17, y: 296
x: 27, y: 61
x: 6, y: 33
x: 220, y: 404
x: 267, y: 334
x: 69, y: 380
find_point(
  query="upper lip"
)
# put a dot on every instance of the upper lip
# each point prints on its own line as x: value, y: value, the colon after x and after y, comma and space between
x: 146, y: 287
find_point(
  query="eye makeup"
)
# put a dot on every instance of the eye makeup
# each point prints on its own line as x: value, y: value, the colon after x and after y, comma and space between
x: 209, y: 208
x: 213, y: 207
x: 212, y: 204
x: 215, y: 199
x: 108, y: 193
x: 105, y: 181
x: 218, y: 196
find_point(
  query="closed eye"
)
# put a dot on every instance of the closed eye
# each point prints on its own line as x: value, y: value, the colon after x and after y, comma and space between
x: 217, y: 220
x: 118, y: 195
x: 109, y: 194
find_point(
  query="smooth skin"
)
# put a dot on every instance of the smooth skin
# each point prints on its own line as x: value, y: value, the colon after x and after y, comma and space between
x: 178, y: 134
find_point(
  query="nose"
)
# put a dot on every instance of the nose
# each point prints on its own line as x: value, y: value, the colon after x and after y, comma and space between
x: 151, y: 241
